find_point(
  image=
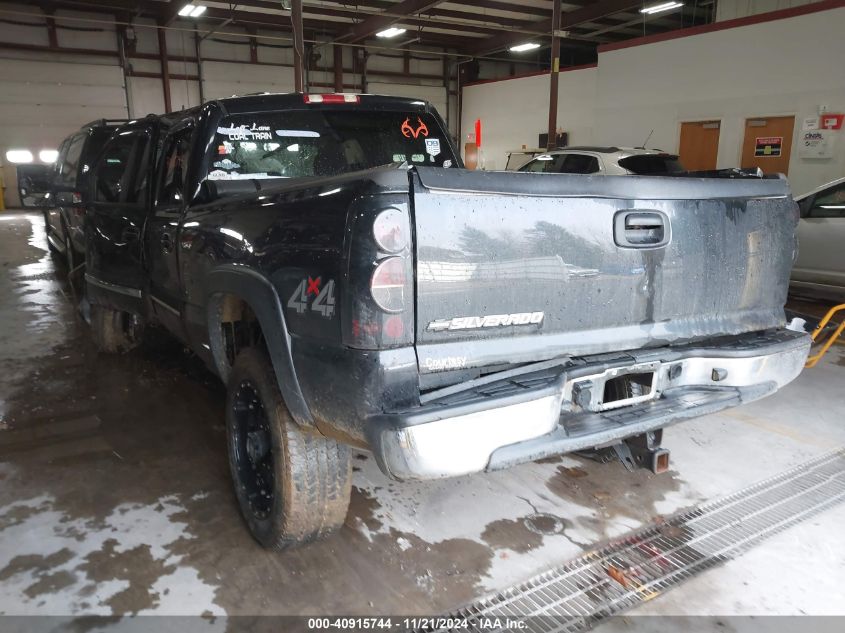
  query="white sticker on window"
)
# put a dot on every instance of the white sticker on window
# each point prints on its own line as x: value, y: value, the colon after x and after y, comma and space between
x: 298, y: 133
x: 247, y: 133
x: 399, y: 158
x: 418, y: 158
x: 226, y: 164
x: 219, y: 174
x: 432, y: 146
x: 447, y: 163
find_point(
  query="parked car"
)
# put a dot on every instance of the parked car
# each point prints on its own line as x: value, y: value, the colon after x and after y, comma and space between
x: 64, y: 207
x: 352, y: 290
x: 34, y: 183
x: 820, y: 266
x: 605, y: 161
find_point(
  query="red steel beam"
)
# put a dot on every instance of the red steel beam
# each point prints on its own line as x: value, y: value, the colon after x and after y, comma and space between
x: 553, y: 78
x: 165, y: 67
x: 569, y: 19
x: 376, y: 23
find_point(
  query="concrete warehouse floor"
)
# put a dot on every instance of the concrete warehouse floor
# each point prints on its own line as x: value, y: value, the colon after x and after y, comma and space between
x: 115, y: 495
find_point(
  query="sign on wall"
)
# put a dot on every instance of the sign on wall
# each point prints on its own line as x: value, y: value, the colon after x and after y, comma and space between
x: 816, y: 144
x: 768, y: 146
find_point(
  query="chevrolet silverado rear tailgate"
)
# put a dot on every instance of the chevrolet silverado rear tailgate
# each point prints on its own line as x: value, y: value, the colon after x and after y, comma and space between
x: 518, y: 267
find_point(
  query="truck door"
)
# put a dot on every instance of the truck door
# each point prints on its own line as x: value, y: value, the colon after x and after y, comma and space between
x: 118, y: 194
x: 162, y: 237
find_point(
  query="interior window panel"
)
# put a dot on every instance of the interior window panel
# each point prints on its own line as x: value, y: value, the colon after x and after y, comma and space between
x: 830, y: 203
x: 176, y: 155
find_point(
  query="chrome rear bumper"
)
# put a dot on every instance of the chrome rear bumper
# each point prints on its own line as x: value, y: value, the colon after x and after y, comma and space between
x: 565, y: 412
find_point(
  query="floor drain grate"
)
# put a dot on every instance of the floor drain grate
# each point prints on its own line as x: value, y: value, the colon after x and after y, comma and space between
x: 643, y: 564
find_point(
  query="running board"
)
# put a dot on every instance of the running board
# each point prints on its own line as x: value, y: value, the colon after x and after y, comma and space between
x: 647, y: 562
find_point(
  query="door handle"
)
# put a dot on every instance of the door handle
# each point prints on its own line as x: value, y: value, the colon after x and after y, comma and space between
x: 166, y: 242
x: 641, y: 229
x: 131, y: 234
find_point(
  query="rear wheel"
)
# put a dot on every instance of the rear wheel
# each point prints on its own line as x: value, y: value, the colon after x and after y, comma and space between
x: 293, y: 486
x: 115, y: 331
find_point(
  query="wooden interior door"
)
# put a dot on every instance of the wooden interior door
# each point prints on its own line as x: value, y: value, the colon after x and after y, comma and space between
x: 699, y: 145
x: 768, y: 143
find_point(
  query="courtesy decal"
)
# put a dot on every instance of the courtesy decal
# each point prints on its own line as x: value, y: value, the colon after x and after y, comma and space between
x: 409, y: 131
x: 447, y: 163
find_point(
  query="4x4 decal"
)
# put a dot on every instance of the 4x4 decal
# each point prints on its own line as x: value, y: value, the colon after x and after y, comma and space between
x: 324, y: 301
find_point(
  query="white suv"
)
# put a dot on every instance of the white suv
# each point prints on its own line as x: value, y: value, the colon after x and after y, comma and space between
x: 605, y: 161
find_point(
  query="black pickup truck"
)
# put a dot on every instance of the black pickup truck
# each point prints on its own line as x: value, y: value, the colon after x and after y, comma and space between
x: 330, y: 259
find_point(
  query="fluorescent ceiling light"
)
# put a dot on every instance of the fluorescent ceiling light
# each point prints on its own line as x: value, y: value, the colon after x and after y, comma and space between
x: 192, y: 10
x: 391, y: 32
x: 529, y: 46
x: 19, y: 156
x: 48, y: 155
x: 659, y: 8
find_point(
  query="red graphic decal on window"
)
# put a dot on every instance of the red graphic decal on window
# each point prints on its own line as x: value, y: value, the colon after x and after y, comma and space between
x: 314, y: 285
x: 408, y: 131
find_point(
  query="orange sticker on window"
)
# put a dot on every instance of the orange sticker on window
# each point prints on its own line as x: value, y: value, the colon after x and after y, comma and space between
x: 408, y: 131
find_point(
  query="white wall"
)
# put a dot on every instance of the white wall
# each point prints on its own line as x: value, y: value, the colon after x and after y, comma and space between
x: 515, y: 112
x: 732, y: 9
x: 783, y: 67
x: 780, y: 67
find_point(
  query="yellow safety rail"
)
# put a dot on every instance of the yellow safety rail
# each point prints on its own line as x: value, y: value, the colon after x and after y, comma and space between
x: 812, y: 360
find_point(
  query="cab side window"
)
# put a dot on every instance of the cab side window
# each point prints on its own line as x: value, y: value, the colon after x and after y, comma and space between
x: 177, y: 148
x: 69, y: 169
x: 547, y: 164
x: 120, y: 176
x: 829, y: 203
x: 580, y: 164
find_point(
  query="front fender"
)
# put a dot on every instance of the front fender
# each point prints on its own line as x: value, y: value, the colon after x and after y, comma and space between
x: 257, y: 291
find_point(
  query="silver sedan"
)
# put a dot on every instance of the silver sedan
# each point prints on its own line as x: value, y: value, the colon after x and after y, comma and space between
x: 820, y: 267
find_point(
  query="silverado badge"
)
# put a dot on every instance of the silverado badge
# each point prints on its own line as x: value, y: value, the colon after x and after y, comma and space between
x: 491, y: 320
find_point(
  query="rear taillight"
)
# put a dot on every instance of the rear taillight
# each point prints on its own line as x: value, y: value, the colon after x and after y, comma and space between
x: 388, y: 285
x: 331, y: 98
x: 381, y: 276
x: 390, y: 230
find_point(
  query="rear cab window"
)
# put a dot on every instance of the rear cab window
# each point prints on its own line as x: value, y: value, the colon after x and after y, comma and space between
x: 307, y: 143
x: 652, y: 164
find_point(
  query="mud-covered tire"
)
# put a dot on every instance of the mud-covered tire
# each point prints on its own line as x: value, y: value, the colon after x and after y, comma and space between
x: 292, y: 485
x: 114, y: 331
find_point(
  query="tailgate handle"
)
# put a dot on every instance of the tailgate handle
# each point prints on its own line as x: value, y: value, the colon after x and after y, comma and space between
x: 641, y: 229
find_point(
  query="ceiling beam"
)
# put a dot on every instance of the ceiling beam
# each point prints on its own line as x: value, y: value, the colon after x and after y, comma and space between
x: 568, y: 19
x: 377, y: 23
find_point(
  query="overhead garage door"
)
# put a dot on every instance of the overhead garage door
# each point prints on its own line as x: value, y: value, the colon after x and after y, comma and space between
x: 436, y: 95
x: 221, y: 79
x: 42, y: 102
